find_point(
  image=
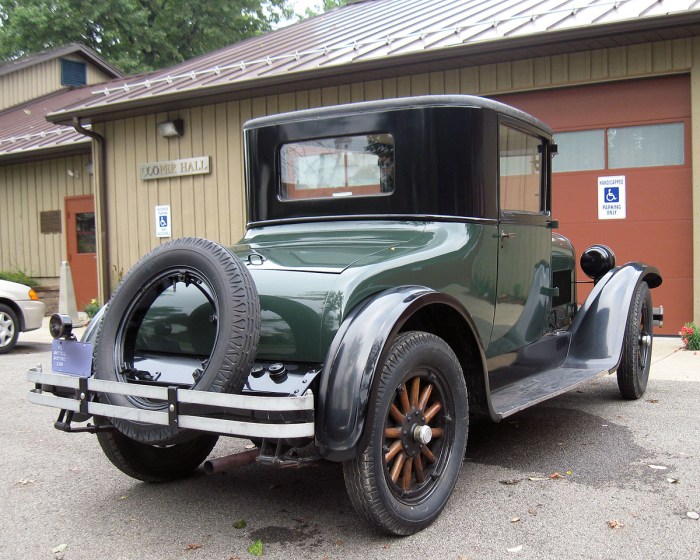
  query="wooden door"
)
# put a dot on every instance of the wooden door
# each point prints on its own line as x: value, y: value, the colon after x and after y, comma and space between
x: 82, y: 252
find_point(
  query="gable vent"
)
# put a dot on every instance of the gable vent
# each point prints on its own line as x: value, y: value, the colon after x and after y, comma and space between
x: 73, y: 73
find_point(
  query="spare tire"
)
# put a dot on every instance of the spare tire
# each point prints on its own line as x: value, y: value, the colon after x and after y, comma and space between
x: 187, y: 314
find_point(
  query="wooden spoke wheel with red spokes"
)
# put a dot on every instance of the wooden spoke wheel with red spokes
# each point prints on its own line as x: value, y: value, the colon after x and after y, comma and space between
x: 418, y: 433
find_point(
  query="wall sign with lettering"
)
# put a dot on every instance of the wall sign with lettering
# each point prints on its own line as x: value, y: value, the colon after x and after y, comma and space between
x: 163, y: 221
x: 175, y: 168
x: 612, y: 198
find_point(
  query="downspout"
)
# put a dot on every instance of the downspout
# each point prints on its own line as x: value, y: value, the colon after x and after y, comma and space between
x: 103, y: 283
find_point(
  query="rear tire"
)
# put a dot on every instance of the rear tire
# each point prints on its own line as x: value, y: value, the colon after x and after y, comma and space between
x: 633, y: 373
x: 400, y: 483
x: 153, y: 463
x: 9, y: 329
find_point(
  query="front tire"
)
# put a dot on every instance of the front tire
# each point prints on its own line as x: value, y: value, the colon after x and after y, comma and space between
x: 153, y: 463
x: 633, y: 373
x: 401, y: 482
x: 9, y: 329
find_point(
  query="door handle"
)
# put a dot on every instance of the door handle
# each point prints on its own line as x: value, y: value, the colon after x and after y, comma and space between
x: 506, y: 235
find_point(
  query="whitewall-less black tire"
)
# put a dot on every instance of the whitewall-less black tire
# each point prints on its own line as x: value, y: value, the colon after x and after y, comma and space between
x: 400, y: 482
x: 633, y: 373
x: 235, y: 313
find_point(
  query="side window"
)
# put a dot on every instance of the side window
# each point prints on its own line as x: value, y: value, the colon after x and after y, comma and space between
x: 520, y: 171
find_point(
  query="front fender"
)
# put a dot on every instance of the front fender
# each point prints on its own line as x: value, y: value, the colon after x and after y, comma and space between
x: 598, y: 331
x: 357, y: 351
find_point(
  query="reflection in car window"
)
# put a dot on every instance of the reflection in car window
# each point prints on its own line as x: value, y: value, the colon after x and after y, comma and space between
x: 338, y: 167
x: 520, y: 165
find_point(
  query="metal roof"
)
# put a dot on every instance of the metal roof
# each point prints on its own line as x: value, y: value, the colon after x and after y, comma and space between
x: 374, y: 35
x: 25, y: 132
x: 73, y: 48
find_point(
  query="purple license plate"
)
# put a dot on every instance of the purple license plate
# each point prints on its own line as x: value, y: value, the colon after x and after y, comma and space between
x: 71, y: 357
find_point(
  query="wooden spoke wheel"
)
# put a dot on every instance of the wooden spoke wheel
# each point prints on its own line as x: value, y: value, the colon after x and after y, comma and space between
x: 413, y: 436
x: 417, y: 436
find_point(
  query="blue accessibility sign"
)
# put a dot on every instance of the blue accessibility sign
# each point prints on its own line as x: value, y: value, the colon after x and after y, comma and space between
x: 612, y: 194
x: 163, y: 221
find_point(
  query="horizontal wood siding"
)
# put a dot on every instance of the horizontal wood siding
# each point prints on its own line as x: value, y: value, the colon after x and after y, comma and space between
x: 213, y: 206
x: 26, y: 190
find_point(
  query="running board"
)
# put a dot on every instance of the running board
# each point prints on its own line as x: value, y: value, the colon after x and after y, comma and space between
x: 535, y: 389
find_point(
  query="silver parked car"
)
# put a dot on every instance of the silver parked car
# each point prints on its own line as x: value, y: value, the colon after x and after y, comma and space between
x: 20, y: 311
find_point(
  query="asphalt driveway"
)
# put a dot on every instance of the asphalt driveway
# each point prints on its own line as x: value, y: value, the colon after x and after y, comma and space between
x: 584, y: 475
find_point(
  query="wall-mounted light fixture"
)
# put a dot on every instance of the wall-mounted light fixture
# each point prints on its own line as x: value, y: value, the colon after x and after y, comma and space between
x: 74, y: 173
x: 89, y: 169
x: 169, y: 129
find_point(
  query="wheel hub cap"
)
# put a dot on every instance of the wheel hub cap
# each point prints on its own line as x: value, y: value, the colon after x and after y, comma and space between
x: 7, y: 330
x: 422, y: 434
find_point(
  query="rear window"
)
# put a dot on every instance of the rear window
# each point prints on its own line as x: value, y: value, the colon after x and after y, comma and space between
x: 344, y: 166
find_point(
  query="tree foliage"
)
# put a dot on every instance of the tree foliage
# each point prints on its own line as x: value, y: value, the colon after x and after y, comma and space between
x: 135, y: 35
x: 322, y: 7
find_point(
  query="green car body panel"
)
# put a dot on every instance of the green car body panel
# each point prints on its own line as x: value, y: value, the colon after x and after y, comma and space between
x: 309, y: 281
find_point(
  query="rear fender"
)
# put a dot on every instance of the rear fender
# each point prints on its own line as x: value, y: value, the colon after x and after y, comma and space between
x: 357, y: 351
x: 598, y: 331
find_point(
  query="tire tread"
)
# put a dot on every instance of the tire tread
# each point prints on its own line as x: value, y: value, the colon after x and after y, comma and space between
x: 361, y: 474
x: 243, y: 337
x: 628, y: 374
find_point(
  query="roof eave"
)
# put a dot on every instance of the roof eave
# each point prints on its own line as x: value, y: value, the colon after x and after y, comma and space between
x: 51, y: 152
x: 497, y: 50
x: 72, y: 48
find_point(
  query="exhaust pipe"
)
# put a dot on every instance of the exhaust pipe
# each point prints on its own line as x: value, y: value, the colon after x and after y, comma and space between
x: 230, y: 462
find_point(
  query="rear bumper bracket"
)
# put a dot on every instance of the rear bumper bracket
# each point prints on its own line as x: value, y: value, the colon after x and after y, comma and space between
x: 247, y: 416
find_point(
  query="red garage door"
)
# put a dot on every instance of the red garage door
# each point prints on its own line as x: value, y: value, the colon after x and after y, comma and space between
x: 639, y: 130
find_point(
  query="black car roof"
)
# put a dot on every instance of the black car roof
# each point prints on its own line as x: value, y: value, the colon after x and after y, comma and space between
x: 470, y: 101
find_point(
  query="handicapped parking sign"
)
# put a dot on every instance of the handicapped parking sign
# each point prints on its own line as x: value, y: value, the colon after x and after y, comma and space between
x: 612, y: 194
x: 612, y: 203
x: 163, y: 228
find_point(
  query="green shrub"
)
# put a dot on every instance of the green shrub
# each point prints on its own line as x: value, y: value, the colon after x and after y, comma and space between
x: 92, y: 308
x: 18, y: 276
x: 690, y: 335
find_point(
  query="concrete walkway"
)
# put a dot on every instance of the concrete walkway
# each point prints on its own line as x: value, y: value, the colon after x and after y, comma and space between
x: 670, y: 361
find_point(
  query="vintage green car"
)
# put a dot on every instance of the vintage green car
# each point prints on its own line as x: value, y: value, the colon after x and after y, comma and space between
x: 399, y: 273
